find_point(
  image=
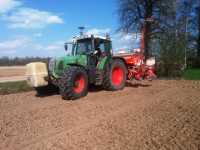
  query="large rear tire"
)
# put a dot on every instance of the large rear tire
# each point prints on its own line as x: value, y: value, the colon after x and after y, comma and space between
x: 115, y: 75
x: 73, y: 83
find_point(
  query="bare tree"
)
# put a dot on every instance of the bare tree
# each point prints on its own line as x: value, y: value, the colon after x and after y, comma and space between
x: 134, y: 15
x: 198, y: 26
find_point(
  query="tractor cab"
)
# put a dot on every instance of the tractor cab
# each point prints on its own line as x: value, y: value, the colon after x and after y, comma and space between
x: 98, y: 46
x: 94, y: 50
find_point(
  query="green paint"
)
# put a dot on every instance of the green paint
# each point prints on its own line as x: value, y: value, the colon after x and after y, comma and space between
x: 102, y: 63
x: 63, y: 62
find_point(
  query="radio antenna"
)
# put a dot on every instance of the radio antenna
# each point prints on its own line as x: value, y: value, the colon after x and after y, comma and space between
x: 81, y: 28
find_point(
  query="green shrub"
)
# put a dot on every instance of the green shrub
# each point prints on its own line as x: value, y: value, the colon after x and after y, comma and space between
x: 192, y: 74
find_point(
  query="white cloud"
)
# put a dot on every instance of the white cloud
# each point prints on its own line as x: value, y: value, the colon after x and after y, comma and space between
x: 11, y: 45
x: 58, y: 45
x: 96, y: 31
x: 50, y: 50
x: 125, y: 41
x: 25, y: 46
x: 54, y: 19
x: 8, y: 5
x: 14, y: 47
x: 10, y: 52
x: 31, y: 18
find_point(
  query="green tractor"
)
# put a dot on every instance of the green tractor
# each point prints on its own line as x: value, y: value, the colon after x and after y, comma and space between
x: 90, y: 62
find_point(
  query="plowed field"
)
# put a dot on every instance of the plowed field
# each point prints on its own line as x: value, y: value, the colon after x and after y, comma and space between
x: 163, y: 114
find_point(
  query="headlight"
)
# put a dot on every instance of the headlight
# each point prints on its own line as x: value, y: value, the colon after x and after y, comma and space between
x: 51, y: 64
x: 150, y: 61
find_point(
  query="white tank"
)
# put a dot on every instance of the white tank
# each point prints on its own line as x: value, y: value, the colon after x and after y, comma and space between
x: 150, y: 61
x: 36, y: 73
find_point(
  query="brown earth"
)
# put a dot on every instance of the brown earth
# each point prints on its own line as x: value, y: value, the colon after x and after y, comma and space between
x: 156, y: 115
x: 12, y: 71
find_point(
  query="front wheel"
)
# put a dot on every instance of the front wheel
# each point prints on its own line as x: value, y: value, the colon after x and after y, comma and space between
x: 115, y: 75
x: 73, y: 83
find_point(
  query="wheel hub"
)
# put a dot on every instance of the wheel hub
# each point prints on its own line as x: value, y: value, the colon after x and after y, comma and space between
x: 79, y: 83
x: 117, y: 76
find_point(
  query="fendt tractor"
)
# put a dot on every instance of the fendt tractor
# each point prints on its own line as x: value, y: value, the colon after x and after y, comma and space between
x: 90, y: 62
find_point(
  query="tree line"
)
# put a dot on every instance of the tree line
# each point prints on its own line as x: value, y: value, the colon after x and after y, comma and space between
x: 18, y: 61
x: 172, y: 31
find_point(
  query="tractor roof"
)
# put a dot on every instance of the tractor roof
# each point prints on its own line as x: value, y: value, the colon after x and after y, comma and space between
x: 85, y: 37
x: 90, y: 36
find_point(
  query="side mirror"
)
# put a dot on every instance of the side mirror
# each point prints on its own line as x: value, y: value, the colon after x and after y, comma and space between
x: 66, y: 47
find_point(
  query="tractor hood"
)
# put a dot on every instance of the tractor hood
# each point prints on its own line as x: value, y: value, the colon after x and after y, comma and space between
x: 58, y: 65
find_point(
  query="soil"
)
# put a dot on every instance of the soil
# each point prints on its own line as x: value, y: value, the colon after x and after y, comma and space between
x: 12, y: 71
x: 12, y: 74
x: 162, y: 114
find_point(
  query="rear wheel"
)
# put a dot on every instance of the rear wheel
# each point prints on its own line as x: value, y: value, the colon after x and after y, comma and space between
x: 73, y: 83
x: 115, y: 75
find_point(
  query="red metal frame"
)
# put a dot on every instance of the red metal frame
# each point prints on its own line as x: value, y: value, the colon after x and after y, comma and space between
x: 136, y: 65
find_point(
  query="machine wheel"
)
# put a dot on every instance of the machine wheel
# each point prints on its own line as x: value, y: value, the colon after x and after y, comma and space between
x: 73, y: 83
x: 115, y: 75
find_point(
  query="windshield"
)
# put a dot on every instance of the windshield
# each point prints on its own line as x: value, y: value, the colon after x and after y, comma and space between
x: 80, y: 47
x: 83, y: 47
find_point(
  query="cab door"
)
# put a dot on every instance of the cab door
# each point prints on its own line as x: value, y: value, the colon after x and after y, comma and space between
x: 91, y: 63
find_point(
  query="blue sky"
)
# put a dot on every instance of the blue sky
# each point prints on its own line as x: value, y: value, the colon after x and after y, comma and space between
x: 40, y: 27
